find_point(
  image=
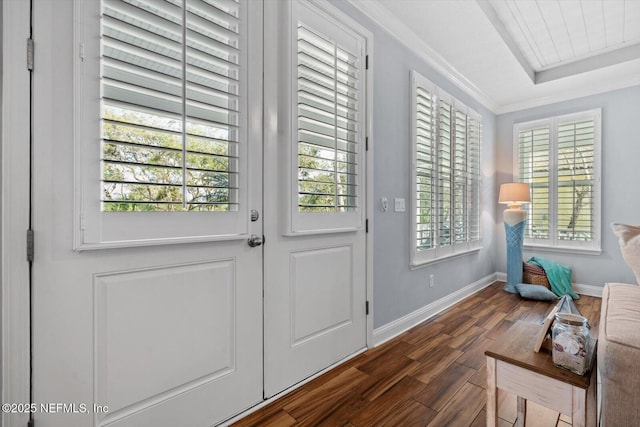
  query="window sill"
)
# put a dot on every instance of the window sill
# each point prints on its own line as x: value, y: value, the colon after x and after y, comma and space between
x: 563, y: 249
x: 414, y: 265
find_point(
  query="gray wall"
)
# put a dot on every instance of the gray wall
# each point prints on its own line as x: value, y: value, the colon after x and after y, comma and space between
x: 620, y: 180
x: 397, y: 291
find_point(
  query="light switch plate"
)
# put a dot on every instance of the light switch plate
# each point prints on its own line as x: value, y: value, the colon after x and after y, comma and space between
x: 399, y: 205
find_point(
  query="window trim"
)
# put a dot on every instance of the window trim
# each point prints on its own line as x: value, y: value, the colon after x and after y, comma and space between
x: 440, y: 253
x: 94, y: 229
x: 593, y: 247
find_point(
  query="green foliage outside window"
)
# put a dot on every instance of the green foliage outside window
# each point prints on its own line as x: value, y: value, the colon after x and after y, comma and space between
x: 147, y: 167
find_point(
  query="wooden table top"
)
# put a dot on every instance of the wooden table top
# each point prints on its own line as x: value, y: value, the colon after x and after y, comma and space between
x: 515, y: 346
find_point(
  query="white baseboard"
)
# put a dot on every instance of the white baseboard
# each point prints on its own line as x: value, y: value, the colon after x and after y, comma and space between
x: 395, y: 328
x: 588, y: 290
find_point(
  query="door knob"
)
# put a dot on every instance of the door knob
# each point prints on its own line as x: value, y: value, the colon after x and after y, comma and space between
x: 255, y: 240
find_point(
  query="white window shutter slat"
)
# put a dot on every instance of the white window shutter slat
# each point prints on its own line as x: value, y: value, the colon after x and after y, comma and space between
x: 328, y: 124
x: 534, y: 169
x: 575, y: 154
x: 170, y: 103
x: 425, y: 159
x: 473, y: 179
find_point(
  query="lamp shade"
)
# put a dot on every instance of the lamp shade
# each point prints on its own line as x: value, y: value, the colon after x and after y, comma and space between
x: 514, y: 193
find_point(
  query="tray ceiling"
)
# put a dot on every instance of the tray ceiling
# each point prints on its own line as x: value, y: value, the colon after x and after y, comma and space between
x: 514, y: 54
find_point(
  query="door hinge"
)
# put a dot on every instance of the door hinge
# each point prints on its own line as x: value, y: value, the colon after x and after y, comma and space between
x: 366, y: 225
x: 366, y: 305
x: 30, y: 54
x: 366, y: 62
x: 30, y: 249
x: 366, y: 143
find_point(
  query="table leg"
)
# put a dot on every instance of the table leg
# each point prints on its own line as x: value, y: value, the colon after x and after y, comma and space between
x: 585, y: 405
x: 592, y: 399
x: 522, y: 412
x: 579, y: 416
x: 492, y: 393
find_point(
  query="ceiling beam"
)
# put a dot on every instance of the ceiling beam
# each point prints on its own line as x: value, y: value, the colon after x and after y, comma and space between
x: 591, y: 63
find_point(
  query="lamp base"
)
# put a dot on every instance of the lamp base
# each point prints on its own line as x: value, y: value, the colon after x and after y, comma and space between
x: 514, y: 224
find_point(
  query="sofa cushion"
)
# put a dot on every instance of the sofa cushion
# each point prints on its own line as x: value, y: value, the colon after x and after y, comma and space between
x: 621, y: 315
x: 619, y: 354
x: 629, y: 245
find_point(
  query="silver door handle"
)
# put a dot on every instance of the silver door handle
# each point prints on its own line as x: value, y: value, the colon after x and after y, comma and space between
x: 255, y: 240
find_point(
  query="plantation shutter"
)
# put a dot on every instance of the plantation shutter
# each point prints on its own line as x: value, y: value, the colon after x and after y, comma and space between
x: 466, y: 177
x: 559, y: 157
x: 575, y: 181
x: 171, y: 88
x: 534, y: 168
x: 425, y: 167
x: 445, y: 173
x: 328, y: 92
x: 327, y: 150
x: 162, y: 135
x: 474, y: 133
x: 460, y: 178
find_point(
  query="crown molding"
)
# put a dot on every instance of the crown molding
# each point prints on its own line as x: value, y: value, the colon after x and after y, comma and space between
x: 631, y: 79
x: 396, y: 28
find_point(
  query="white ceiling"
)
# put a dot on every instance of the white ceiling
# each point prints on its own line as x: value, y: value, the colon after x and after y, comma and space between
x: 515, y: 54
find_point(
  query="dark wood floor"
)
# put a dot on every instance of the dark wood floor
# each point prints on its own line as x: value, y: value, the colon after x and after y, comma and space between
x: 431, y: 375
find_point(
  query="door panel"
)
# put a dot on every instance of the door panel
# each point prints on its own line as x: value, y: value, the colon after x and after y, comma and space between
x: 314, y: 306
x: 315, y: 258
x: 162, y: 335
x: 321, y: 298
x: 192, y: 308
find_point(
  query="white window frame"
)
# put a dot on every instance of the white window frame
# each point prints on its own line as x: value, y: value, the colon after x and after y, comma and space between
x: 95, y: 229
x: 438, y: 253
x: 316, y: 13
x: 554, y: 244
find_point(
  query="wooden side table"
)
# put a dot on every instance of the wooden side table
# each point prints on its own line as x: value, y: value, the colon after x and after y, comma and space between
x: 513, y: 366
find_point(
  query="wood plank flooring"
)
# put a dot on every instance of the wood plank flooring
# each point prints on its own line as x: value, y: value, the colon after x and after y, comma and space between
x: 431, y: 375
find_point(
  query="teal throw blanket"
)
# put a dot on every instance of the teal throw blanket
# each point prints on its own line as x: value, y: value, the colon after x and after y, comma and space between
x: 559, y: 276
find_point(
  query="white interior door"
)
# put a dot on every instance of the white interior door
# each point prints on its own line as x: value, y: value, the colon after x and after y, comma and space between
x: 147, y: 299
x: 315, y: 255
